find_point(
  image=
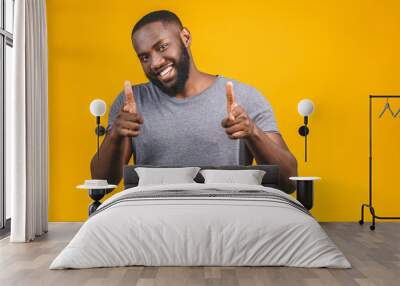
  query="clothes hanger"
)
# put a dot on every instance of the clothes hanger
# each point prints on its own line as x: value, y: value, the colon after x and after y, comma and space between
x: 397, y: 113
x: 387, y: 107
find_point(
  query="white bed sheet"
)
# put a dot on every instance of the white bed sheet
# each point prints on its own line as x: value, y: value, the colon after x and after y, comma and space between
x: 200, y: 231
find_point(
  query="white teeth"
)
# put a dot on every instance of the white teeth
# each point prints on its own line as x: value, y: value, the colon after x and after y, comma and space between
x: 166, y: 71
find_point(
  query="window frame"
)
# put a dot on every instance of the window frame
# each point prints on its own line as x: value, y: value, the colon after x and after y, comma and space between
x: 6, y: 39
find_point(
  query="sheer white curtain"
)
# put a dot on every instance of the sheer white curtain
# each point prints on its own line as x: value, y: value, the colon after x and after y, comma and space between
x: 26, y: 124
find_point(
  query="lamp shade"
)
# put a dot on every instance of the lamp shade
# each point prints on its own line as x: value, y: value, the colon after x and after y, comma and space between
x: 98, y: 107
x: 305, y: 107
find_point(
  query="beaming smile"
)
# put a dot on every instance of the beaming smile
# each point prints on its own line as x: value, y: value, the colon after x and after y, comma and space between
x: 166, y: 73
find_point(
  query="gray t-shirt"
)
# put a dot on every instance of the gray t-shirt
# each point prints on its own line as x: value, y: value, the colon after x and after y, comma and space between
x: 188, y: 131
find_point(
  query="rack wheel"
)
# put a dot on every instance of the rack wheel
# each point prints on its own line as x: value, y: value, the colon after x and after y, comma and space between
x: 372, y: 227
x: 361, y: 222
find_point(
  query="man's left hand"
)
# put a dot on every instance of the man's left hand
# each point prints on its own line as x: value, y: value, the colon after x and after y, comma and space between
x: 238, y: 124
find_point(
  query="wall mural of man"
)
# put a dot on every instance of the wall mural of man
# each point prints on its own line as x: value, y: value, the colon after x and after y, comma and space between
x: 184, y: 116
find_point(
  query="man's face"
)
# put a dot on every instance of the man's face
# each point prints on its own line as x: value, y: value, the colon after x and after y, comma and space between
x: 164, y: 58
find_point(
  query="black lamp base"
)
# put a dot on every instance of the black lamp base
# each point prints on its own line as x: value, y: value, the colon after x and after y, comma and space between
x: 100, y: 130
x: 303, y: 130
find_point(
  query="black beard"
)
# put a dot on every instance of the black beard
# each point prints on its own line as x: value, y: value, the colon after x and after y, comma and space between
x: 182, y: 71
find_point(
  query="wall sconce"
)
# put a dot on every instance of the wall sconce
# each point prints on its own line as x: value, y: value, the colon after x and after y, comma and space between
x: 97, y: 109
x: 305, y: 108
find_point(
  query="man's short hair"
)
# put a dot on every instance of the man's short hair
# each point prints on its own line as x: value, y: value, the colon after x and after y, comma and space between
x: 163, y: 16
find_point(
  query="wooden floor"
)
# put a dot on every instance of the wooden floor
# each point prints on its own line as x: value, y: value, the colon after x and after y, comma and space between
x: 374, y: 255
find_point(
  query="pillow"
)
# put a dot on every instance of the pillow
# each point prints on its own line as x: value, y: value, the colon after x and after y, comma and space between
x: 248, y: 177
x: 162, y: 176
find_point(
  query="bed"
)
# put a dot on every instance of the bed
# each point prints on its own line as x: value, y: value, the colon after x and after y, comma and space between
x: 198, y: 224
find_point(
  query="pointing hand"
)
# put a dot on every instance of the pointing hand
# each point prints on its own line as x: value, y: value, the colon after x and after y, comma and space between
x: 128, y: 121
x: 238, y: 123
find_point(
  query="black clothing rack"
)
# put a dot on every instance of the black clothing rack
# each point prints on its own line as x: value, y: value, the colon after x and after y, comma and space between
x: 370, y: 205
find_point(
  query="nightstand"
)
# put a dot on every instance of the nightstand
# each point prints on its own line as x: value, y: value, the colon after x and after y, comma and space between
x: 97, y: 190
x: 305, y: 192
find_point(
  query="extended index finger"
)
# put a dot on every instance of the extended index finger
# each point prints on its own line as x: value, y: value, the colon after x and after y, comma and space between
x: 230, y: 96
x: 130, y: 103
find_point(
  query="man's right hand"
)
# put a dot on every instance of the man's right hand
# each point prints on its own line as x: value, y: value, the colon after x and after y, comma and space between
x: 127, y: 122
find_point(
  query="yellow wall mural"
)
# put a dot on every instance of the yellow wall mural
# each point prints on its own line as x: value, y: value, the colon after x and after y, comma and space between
x: 334, y: 52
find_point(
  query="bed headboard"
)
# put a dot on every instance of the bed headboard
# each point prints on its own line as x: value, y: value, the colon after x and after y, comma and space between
x: 270, y: 179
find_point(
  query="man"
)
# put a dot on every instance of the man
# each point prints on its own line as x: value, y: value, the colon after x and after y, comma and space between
x: 184, y: 116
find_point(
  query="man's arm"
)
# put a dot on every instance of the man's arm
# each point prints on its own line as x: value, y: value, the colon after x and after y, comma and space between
x: 267, y: 148
x: 270, y: 148
x: 114, y: 154
x: 116, y: 149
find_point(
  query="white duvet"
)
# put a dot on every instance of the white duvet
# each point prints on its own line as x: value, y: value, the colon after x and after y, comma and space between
x: 206, y: 230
